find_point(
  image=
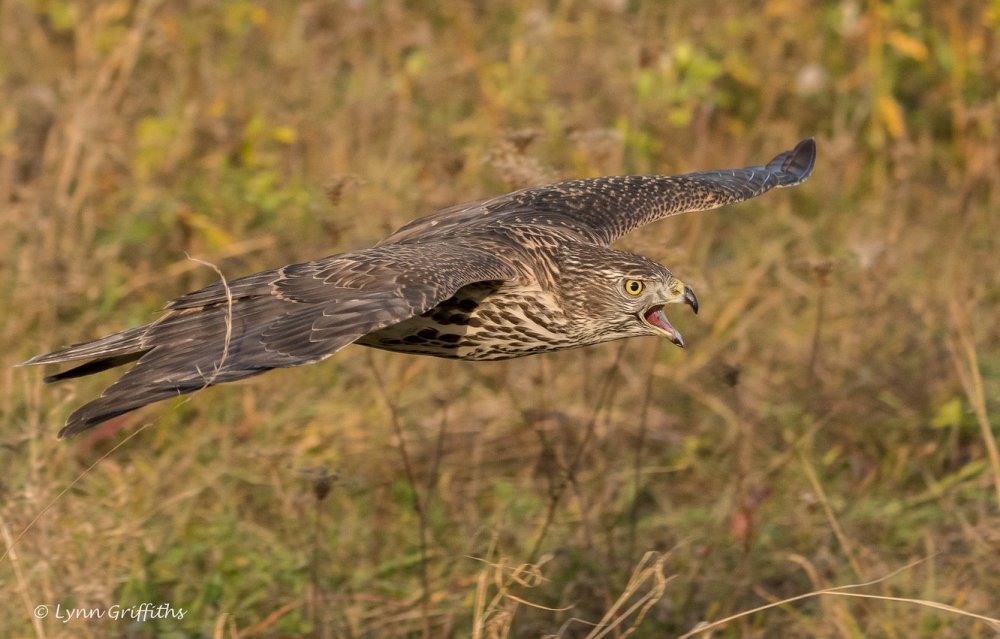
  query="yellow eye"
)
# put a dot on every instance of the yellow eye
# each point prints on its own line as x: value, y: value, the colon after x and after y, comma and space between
x: 634, y: 287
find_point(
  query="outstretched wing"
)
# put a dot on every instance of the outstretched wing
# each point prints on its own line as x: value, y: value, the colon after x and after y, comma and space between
x: 298, y: 314
x: 603, y: 209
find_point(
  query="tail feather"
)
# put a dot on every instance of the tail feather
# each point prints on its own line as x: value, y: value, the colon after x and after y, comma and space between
x: 189, y: 349
x: 126, y: 342
x: 95, y: 366
x: 181, y: 352
x: 137, y: 388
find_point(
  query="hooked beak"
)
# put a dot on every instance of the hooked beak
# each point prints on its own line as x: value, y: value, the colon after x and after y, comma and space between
x: 690, y: 299
x: 655, y: 317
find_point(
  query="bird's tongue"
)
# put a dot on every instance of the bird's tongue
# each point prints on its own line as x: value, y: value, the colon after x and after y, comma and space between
x: 654, y: 315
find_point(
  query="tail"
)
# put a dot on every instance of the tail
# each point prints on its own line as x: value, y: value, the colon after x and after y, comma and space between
x: 182, y: 351
x: 179, y: 353
x: 227, y: 332
x: 107, y: 352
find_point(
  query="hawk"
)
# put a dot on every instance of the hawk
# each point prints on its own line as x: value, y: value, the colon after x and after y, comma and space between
x: 529, y: 272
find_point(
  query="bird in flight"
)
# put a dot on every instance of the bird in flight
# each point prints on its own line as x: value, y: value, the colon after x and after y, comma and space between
x: 523, y: 273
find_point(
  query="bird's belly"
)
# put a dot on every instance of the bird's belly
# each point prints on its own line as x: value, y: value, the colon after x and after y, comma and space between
x: 502, y: 325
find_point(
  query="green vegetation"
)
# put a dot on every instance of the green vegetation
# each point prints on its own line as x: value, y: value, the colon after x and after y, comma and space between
x: 830, y: 423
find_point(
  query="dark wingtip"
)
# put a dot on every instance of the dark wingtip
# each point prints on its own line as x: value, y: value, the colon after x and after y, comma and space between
x: 71, y: 427
x: 795, y: 166
x: 82, y: 420
x: 68, y: 431
x: 76, y: 423
x: 95, y: 366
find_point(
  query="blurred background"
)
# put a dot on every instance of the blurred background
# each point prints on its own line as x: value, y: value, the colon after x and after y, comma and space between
x: 832, y: 421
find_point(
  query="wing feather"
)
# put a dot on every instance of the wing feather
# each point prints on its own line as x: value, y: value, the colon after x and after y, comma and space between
x: 294, y: 315
x: 603, y: 209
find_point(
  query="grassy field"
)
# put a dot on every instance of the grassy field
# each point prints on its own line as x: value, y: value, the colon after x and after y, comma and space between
x: 832, y: 422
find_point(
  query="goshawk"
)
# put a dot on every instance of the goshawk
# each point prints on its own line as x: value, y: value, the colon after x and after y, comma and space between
x: 523, y: 273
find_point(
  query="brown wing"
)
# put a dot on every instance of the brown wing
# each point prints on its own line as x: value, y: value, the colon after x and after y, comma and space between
x: 443, y: 222
x: 294, y: 315
x: 603, y: 209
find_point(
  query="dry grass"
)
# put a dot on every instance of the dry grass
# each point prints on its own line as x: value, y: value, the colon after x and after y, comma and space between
x: 832, y: 421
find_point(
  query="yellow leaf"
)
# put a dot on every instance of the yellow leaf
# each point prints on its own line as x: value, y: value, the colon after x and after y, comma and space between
x: 284, y: 134
x: 950, y: 414
x: 218, y: 107
x: 907, y: 45
x: 213, y: 234
x: 892, y: 115
x: 258, y: 15
x: 780, y: 8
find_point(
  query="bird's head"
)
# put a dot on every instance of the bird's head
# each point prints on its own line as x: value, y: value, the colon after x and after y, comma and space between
x: 618, y: 294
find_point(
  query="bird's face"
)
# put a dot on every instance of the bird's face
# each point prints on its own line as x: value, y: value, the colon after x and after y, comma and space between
x: 646, y: 298
x: 627, y: 296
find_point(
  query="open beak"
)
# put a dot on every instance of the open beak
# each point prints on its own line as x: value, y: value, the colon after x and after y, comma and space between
x: 654, y: 317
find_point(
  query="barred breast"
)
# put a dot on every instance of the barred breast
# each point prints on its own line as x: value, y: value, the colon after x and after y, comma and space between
x: 483, y: 321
